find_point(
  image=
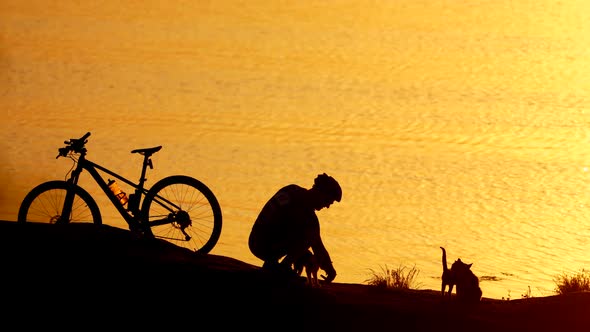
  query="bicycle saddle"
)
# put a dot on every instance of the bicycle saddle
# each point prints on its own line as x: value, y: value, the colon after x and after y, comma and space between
x: 147, y: 151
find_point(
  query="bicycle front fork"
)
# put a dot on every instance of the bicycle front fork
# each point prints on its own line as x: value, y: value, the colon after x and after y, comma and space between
x: 66, y: 210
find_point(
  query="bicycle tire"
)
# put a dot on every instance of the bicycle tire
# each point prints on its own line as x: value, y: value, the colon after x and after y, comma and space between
x: 44, y: 204
x: 191, y: 196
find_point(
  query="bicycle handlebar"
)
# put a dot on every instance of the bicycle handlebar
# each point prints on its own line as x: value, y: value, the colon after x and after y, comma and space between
x: 74, y: 144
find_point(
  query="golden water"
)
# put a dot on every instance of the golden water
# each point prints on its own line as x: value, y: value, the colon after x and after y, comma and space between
x: 447, y: 123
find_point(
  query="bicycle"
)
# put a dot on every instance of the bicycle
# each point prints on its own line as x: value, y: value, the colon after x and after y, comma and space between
x: 179, y: 209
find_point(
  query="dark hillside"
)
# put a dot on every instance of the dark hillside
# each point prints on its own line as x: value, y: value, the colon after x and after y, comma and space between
x: 81, y: 270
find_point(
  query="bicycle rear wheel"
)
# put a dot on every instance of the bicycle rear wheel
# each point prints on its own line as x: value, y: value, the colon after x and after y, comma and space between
x: 183, y: 211
x: 45, y: 202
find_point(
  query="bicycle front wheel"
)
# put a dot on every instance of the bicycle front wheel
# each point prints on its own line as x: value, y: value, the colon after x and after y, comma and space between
x: 183, y: 211
x: 45, y: 202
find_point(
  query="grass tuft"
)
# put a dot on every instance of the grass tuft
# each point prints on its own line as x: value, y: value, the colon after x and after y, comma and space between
x: 400, y: 278
x: 580, y: 281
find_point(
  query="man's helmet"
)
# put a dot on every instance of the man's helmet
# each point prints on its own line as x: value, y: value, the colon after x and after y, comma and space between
x: 329, y: 186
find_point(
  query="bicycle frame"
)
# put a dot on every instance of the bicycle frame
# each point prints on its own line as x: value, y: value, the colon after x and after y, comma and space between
x: 131, y: 214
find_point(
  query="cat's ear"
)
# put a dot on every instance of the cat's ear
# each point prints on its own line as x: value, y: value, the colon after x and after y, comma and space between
x: 469, y: 265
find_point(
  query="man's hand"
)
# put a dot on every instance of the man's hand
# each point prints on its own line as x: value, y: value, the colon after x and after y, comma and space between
x: 331, y: 274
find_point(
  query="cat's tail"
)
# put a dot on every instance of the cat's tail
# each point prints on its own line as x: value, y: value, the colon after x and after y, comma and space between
x: 444, y: 259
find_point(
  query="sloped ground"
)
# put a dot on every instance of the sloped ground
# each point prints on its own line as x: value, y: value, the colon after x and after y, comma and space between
x: 99, y: 276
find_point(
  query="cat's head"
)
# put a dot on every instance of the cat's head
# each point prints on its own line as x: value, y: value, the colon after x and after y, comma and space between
x: 459, y: 266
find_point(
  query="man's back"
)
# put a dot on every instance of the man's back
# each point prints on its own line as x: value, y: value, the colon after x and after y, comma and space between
x: 287, y: 216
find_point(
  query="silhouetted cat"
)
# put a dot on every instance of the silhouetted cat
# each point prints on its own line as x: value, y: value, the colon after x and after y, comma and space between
x: 447, y: 275
x: 467, y: 283
x: 311, y: 265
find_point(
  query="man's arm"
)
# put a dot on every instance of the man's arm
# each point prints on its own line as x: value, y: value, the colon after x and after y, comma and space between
x: 320, y: 251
